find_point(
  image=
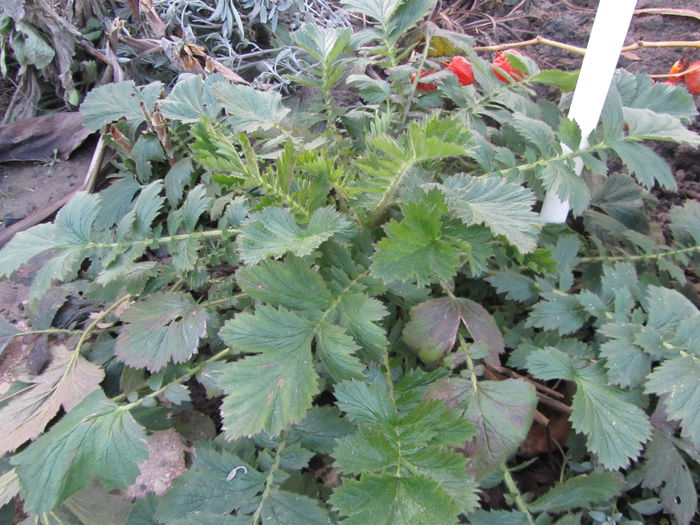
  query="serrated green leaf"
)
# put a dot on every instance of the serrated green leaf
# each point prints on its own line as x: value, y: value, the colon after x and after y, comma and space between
x: 536, y: 132
x: 291, y: 283
x: 564, y: 80
x: 71, y: 229
x: 190, y: 99
x: 147, y: 206
x: 97, y: 506
x: 360, y: 315
x: 274, y: 232
x: 502, y: 206
x: 325, y: 44
x: 677, y: 381
x: 433, y: 328
x: 68, y: 379
x: 196, y: 203
x: 559, y: 312
x: 163, y: 327
x: 644, y: 123
x: 320, y: 429
x: 501, y: 411
x: 515, y: 285
x: 112, y: 102
x: 372, y: 448
x: 336, y: 350
x: 560, y: 178
x: 685, y: 222
x: 626, y: 364
x: 579, y: 492
x: 178, y: 177
x: 286, y: 508
x: 379, y: 10
x: 273, y: 389
x: 666, y: 469
x: 142, y: 512
x: 616, y: 429
x: 211, y: 518
x: 205, y: 487
x: 365, y: 403
x: 415, y: 248
x: 502, y: 517
x: 95, y: 439
x: 76, y: 218
x: 374, y: 91
x: 7, y: 332
x: 647, y: 166
x: 387, y: 500
x: 249, y: 109
x: 550, y: 363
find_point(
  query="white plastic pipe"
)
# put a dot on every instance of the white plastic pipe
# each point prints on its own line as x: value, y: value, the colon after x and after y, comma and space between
x: 610, y: 27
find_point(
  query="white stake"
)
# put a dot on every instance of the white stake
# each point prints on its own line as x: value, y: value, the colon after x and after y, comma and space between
x: 610, y: 27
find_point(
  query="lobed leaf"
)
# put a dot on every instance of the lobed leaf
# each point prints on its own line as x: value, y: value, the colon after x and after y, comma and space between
x: 501, y: 411
x: 432, y: 330
x: 387, y: 500
x: 504, y: 207
x: 274, y: 388
x: 64, y: 384
x: 163, y: 327
x: 273, y: 232
x: 205, y: 487
x: 95, y: 439
x: 677, y: 381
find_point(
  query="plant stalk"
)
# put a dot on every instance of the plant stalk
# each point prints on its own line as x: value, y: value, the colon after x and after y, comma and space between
x: 517, y: 496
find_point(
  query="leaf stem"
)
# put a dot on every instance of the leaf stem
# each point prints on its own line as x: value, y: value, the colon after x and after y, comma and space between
x: 93, y: 325
x: 270, y: 479
x: 184, y: 377
x: 644, y: 257
x: 388, y: 196
x: 46, y: 331
x: 515, y: 492
x: 416, y: 79
x: 470, y: 364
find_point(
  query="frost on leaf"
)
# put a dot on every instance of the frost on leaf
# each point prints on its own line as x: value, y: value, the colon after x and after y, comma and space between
x: 166, y: 461
x: 434, y: 324
x: 67, y: 380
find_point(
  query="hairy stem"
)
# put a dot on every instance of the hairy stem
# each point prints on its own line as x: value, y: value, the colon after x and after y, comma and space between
x: 184, y: 377
x: 644, y: 257
x: 269, y: 481
x: 515, y: 492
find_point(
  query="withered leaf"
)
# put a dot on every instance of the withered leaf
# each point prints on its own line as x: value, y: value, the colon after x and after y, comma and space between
x: 433, y: 327
x: 67, y: 380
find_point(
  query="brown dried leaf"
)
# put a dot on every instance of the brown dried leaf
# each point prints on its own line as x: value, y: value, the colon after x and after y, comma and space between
x: 40, y: 138
x: 154, y: 23
x: 67, y: 380
x: 166, y: 461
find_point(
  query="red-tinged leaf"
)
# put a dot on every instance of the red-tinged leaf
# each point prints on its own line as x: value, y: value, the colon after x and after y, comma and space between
x: 433, y: 327
x: 501, y: 411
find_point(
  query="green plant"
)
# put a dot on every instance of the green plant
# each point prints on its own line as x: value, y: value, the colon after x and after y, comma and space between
x: 359, y: 286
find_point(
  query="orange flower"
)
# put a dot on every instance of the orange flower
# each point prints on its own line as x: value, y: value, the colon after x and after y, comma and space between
x: 692, y: 79
x: 501, y: 64
x: 677, y: 67
x: 424, y: 86
x: 461, y: 67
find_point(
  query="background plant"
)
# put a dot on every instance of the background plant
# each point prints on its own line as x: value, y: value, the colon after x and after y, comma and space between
x: 369, y: 292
